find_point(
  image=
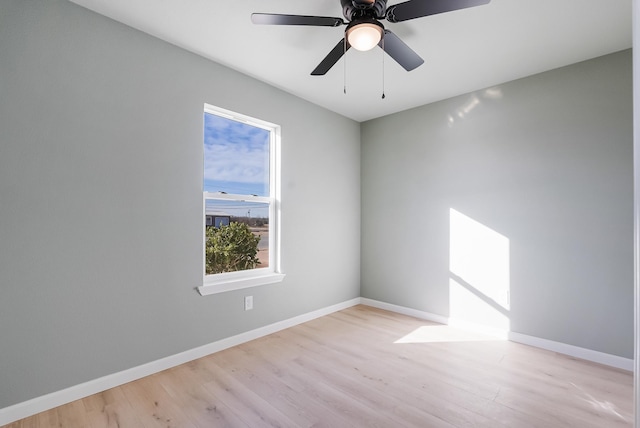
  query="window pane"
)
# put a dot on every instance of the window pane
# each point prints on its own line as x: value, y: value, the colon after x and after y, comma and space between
x: 236, y: 157
x: 237, y: 236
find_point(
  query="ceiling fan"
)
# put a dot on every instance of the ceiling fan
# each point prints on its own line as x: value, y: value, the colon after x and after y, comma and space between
x: 364, y: 30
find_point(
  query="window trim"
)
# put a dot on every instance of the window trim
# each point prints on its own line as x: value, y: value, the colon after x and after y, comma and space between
x: 228, y: 281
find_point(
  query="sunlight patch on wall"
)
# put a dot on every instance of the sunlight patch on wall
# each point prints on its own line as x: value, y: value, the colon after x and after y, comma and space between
x: 479, y: 283
x: 474, y: 101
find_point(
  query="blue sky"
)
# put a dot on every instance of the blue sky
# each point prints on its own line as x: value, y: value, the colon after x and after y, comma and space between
x: 236, y: 160
x: 236, y: 157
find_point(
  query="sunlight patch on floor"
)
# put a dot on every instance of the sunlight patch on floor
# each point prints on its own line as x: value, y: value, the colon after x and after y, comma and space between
x: 443, y: 333
x: 600, y: 405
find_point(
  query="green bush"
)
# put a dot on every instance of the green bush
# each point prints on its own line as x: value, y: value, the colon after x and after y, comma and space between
x: 231, y: 248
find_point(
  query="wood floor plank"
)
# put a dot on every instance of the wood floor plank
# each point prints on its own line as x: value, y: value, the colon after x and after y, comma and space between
x: 365, y: 367
x: 202, y: 407
x: 246, y: 404
x: 110, y: 409
x: 48, y: 418
x: 266, y: 379
x: 154, y: 407
x: 72, y: 415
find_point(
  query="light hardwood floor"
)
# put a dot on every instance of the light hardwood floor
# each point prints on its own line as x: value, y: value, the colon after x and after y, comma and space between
x: 364, y: 367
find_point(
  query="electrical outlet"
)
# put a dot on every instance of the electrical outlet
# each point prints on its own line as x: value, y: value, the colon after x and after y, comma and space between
x: 248, y: 303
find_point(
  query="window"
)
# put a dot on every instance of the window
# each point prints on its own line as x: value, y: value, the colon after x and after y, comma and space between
x: 240, y: 198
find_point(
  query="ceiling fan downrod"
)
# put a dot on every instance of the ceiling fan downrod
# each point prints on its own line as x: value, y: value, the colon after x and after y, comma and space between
x: 352, y: 9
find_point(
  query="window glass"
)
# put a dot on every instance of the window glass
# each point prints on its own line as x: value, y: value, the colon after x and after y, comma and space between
x: 236, y: 157
x: 238, y: 203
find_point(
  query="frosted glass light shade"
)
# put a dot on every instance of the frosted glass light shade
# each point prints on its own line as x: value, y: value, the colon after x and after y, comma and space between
x: 365, y: 36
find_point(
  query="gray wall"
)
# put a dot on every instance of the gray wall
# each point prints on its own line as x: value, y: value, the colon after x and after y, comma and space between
x: 101, y: 204
x: 545, y: 162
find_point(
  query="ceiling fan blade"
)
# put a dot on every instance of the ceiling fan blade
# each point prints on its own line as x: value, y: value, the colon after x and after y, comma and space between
x: 330, y: 60
x: 398, y: 50
x: 418, y: 8
x: 276, y: 19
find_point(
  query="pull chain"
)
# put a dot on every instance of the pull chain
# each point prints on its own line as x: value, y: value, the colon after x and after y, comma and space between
x: 383, y: 55
x: 345, y: 65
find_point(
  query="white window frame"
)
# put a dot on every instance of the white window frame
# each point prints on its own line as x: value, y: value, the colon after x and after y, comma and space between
x: 228, y: 281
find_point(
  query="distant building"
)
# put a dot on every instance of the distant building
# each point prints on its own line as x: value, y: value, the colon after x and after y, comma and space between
x: 215, y: 218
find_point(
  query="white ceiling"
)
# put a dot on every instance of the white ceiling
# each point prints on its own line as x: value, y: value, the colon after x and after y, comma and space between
x: 464, y: 51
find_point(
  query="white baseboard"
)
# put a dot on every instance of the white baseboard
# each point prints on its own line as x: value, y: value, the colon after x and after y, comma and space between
x: 549, y: 345
x: 405, y: 311
x: 574, y: 351
x: 49, y: 401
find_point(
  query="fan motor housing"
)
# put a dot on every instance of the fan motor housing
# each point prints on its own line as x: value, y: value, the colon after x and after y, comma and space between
x: 352, y: 9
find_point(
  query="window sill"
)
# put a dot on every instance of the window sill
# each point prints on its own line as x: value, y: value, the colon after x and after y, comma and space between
x: 227, y: 283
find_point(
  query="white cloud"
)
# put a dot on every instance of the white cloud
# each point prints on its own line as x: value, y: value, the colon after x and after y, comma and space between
x: 234, y: 151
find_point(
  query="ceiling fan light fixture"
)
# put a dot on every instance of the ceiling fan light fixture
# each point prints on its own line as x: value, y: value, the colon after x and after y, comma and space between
x: 364, y: 36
